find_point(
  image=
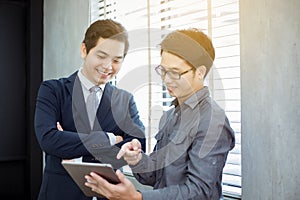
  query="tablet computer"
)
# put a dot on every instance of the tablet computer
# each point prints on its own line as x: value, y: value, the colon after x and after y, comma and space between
x: 78, y: 170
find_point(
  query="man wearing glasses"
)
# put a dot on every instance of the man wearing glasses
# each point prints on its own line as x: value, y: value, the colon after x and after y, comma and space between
x: 194, y: 137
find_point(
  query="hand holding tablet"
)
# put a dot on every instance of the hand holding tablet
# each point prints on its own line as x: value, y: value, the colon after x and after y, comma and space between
x: 78, y: 171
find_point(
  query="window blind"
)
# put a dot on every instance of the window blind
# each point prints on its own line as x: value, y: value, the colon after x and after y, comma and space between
x: 225, y: 79
x: 148, y: 22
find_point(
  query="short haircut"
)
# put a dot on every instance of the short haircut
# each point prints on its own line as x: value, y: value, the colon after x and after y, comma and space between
x: 192, y: 45
x: 105, y: 29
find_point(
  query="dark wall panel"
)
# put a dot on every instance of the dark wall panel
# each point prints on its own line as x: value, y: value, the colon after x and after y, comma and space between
x: 12, y: 100
x: 13, y: 186
x: 21, y: 50
x: 12, y: 80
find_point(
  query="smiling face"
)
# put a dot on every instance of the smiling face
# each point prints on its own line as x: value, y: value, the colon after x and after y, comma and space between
x: 189, y: 83
x: 103, y: 61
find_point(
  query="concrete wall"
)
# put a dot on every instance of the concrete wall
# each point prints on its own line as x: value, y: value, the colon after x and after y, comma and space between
x: 270, y: 70
x: 65, y: 22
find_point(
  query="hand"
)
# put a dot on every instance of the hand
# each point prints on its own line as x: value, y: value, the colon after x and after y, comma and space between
x: 59, y: 127
x: 119, y: 139
x: 124, y: 190
x: 131, y: 152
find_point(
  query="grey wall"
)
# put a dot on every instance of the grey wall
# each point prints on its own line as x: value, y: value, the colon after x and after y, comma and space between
x: 65, y: 22
x: 270, y: 58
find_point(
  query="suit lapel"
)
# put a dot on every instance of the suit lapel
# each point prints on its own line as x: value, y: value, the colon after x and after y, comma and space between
x: 104, y: 106
x: 78, y: 104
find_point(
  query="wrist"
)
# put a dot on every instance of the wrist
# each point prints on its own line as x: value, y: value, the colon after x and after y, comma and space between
x: 136, y: 161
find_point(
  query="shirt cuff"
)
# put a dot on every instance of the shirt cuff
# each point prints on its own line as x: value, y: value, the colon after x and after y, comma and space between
x: 112, y: 138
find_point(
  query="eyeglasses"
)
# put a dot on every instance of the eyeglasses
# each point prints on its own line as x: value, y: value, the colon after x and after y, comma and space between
x: 171, y: 74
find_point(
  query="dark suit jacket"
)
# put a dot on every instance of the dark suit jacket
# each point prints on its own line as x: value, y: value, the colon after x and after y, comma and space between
x: 62, y: 101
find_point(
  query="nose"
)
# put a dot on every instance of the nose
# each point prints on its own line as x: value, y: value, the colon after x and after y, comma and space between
x: 166, y: 78
x: 107, y: 64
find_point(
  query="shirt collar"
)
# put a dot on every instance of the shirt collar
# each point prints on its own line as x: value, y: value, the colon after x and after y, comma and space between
x: 193, y: 100
x: 87, y: 84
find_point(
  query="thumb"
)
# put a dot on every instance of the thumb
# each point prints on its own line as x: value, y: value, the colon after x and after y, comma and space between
x: 136, y: 144
x: 121, y: 176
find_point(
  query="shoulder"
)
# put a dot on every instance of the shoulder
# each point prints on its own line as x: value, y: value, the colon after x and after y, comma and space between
x: 118, y: 91
x: 57, y: 86
x: 210, y: 107
x: 59, y: 82
x: 53, y: 84
x: 213, y: 117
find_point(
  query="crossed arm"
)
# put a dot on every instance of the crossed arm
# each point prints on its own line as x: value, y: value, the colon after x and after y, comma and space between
x: 118, y: 137
x: 59, y: 127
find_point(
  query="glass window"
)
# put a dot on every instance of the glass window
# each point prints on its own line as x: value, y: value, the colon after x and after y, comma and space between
x: 147, y: 23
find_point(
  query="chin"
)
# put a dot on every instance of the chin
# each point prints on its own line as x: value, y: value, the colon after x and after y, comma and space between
x: 101, y: 81
x: 172, y: 94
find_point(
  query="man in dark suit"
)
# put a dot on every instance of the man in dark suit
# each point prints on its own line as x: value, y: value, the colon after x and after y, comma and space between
x: 64, y: 102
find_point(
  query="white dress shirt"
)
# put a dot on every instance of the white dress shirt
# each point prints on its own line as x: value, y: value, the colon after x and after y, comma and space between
x: 86, y: 85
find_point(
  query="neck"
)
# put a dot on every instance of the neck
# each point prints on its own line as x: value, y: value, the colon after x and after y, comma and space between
x: 184, y: 98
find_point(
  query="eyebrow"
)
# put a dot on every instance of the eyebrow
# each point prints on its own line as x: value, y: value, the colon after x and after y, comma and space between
x: 103, y: 52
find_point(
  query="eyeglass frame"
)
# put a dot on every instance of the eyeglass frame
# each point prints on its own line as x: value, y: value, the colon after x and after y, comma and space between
x: 164, y: 72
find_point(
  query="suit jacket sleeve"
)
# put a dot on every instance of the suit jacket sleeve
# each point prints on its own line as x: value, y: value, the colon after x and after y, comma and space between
x: 126, y: 116
x: 133, y: 127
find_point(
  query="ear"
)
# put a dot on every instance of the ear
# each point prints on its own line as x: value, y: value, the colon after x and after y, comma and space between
x: 201, y: 71
x: 83, y: 50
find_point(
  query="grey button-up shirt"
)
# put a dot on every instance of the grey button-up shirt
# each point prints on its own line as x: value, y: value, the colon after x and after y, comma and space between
x: 192, y: 147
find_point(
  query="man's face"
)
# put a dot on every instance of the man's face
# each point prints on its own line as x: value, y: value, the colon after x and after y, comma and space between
x: 103, y: 61
x: 189, y: 83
